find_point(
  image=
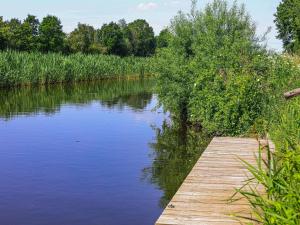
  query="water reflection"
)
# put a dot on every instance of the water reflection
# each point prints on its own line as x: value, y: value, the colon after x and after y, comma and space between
x: 175, y: 151
x: 81, y: 166
x: 48, y: 100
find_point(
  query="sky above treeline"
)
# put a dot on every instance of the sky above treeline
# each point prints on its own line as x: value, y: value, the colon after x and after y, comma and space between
x: 157, y: 12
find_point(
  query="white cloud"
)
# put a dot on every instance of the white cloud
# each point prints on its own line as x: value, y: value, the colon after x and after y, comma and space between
x: 147, y: 6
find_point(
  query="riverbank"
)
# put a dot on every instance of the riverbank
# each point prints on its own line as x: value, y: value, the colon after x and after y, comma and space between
x: 216, y: 74
x: 22, y: 68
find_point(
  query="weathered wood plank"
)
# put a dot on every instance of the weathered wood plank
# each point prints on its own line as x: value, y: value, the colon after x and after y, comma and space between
x: 203, y: 197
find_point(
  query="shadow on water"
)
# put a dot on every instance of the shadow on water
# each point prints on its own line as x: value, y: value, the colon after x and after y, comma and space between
x: 175, y: 151
x: 49, y: 99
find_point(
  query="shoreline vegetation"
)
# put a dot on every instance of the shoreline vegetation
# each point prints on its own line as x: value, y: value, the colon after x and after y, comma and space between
x: 25, y: 69
x: 217, y: 73
x: 211, y: 70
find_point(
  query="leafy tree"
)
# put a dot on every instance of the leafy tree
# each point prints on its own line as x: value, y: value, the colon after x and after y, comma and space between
x: 3, y: 34
x: 162, y: 40
x: 19, y: 36
x: 174, y: 83
x: 51, y: 35
x: 111, y: 37
x: 141, y: 37
x: 82, y: 38
x: 124, y: 28
x: 288, y: 24
x: 14, y: 34
x: 213, y: 73
x: 30, y: 32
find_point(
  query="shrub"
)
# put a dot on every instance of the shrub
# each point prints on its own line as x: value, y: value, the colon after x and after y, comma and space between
x: 214, y: 71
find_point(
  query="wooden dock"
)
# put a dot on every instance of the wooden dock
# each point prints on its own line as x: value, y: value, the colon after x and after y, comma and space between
x: 203, y: 197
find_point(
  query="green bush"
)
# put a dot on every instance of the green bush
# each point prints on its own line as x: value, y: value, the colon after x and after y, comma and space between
x: 215, y: 71
x: 280, y: 175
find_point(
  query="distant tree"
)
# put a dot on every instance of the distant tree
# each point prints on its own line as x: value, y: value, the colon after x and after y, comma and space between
x: 111, y: 37
x: 163, y: 38
x: 141, y: 37
x: 51, y: 35
x: 124, y: 28
x: 3, y: 34
x: 14, y: 34
x: 29, y: 34
x: 122, y: 24
x: 82, y: 39
x: 288, y: 24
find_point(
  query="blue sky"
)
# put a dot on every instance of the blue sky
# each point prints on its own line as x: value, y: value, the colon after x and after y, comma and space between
x: 157, y: 12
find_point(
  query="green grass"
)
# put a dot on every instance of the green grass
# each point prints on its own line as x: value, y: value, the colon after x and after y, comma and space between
x: 279, y: 174
x: 20, y: 68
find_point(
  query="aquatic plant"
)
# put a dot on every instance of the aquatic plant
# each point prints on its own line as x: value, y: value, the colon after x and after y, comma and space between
x: 21, y: 68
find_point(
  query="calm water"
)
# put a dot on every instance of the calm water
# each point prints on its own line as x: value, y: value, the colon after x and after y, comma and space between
x: 90, y: 154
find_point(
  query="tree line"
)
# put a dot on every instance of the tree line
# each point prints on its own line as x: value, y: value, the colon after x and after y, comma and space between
x: 136, y: 38
x: 287, y: 20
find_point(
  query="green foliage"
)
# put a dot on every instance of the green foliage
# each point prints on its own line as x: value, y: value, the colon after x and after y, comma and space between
x: 280, y: 174
x: 14, y: 34
x: 37, y: 68
x: 82, y: 39
x: 136, y: 38
x: 214, y: 69
x: 162, y: 40
x: 111, y: 37
x: 51, y: 35
x: 19, y: 36
x: 30, y: 33
x: 2, y: 34
x: 141, y: 37
x: 288, y: 25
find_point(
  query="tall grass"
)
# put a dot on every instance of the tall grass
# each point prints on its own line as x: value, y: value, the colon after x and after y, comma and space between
x: 36, y: 68
x: 280, y: 173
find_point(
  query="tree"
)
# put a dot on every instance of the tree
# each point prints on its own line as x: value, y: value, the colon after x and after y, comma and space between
x: 141, y: 37
x: 162, y: 40
x: 3, y: 34
x: 288, y: 24
x: 82, y: 38
x: 51, y: 35
x: 124, y: 28
x: 14, y: 34
x: 19, y: 36
x: 30, y: 32
x: 111, y: 37
x: 214, y: 71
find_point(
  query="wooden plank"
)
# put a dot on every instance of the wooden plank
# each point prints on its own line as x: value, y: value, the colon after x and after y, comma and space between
x: 203, y: 197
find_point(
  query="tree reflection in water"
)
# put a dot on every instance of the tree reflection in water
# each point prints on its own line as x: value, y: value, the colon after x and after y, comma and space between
x: 135, y: 94
x: 175, y: 152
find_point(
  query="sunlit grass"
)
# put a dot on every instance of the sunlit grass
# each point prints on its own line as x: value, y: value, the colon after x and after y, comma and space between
x: 37, y: 68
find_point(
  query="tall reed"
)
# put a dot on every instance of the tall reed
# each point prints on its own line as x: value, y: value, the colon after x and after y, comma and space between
x: 280, y: 173
x: 36, y: 68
